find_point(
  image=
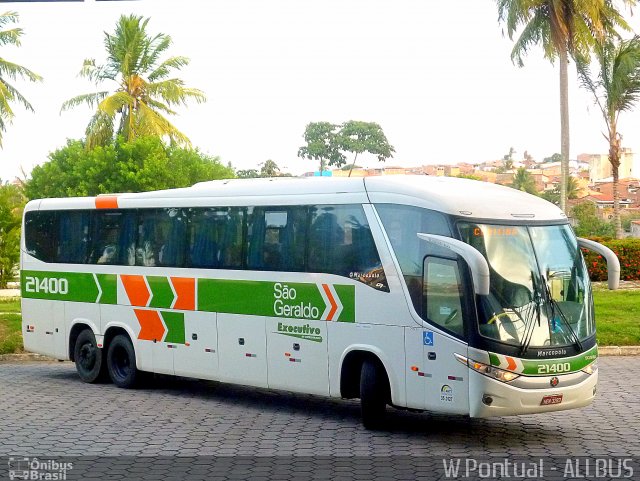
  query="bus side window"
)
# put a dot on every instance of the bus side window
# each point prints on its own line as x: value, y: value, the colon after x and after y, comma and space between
x: 340, y: 242
x: 114, y: 234
x: 41, y: 228
x: 443, y: 294
x: 73, y: 236
x: 161, y: 237
x: 276, y: 239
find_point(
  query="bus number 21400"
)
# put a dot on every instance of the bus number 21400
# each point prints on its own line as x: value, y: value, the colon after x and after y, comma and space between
x: 48, y: 285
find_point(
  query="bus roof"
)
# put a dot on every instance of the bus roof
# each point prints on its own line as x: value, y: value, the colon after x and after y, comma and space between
x: 461, y: 197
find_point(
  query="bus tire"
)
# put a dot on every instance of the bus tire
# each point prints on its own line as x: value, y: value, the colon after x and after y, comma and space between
x: 374, y: 393
x: 89, y: 358
x: 121, y: 362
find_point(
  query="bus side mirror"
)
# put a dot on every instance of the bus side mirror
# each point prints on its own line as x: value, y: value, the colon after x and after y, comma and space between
x: 476, y: 261
x: 613, y: 264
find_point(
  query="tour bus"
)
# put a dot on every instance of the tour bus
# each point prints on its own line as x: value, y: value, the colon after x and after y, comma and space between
x: 426, y: 293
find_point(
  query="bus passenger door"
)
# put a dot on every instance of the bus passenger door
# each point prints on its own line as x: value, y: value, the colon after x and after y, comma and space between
x: 445, y: 306
x: 242, y: 349
x: 198, y: 356
x: 297, y: 355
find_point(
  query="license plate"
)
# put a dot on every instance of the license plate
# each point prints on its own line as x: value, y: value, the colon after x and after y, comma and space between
x: 548, y: 400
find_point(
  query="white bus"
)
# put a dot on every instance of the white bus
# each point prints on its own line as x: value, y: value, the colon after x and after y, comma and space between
x: 438, y: 294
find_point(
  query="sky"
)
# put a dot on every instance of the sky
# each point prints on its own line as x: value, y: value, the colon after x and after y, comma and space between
x: 436, y: 75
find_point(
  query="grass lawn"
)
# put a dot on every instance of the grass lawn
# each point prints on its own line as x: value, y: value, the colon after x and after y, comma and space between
x: 10, y: 326
x: 617, y: 317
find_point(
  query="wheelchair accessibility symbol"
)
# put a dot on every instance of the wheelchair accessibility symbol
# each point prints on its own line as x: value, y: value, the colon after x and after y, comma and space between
x: 427, y: 338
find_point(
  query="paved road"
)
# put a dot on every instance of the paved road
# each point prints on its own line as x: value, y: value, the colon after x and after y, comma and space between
x: 47, y: 411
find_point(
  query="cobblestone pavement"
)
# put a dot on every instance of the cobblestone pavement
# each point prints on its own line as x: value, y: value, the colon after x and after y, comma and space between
x: 253, y: 433
x: 47, y: 410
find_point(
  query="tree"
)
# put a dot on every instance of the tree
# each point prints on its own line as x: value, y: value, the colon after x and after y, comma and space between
x: 268, y: 168
x: 145, y: 92
x: 553, y: 196
x: 11, y: 204
x: 588, y: 223
x: 11, y: 71
x: 509, y: 156
x: 523, y: 180
x: 554, y: 158
x: 564, y: 28
x: 616, y: 89
x: 322, y: 145
x: 143, y: 164
x: 358, y: 137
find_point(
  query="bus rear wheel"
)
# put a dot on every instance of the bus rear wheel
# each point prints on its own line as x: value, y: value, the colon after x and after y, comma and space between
x: 374, y: 394
x: 121, y: 362
x: 89, y: 358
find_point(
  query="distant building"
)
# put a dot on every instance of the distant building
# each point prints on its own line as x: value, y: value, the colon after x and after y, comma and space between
x: 635, y: 228
x: 600, y: 167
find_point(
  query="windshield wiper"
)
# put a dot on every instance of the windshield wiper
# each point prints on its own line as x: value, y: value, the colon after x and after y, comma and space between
x: 556, y: 307
x: 528, y: 335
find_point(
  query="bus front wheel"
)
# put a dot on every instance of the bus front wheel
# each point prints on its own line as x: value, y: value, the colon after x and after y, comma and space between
x: 121, y: 362
x: 374, y: 394
x: 89, y: 358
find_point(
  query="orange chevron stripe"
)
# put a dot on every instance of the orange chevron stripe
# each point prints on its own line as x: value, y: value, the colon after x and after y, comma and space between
x: 186, y: 293
x: 151, y: 327
x: 137, y: 290
x: 511, y: 363
x: 332, y: 301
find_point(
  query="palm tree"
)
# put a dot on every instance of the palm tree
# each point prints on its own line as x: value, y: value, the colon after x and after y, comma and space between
x: 12, y: 71
x: 522, y: 180
x: 616, y: 89
x: 144, y: 93
x: 564, y: 28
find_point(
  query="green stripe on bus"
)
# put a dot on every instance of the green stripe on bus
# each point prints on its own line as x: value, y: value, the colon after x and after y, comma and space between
x: 347, y: 295
x: 296, y: 300
x: 59, y: 286
x: 534, y: 367
x: 161, y: 291
x: 109, y: 285
x: 175, y: 326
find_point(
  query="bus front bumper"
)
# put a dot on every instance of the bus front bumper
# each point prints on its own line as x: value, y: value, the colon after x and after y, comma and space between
x: 489, y: 397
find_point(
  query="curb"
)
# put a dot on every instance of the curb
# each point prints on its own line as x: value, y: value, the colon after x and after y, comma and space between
x: 619, y: 350
x: 25, y: 357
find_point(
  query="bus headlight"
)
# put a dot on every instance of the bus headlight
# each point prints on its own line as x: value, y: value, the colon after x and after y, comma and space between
x: 493, y: 372
x: 591, y: 368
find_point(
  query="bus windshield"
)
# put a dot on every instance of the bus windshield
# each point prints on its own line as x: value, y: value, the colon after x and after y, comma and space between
x: 539, y: 288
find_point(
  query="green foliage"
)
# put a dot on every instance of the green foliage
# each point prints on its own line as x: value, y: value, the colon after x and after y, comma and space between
x: 141, y: 165
x: 553, y: 196
x: 554, y: 158
x: 322, y: 145
x: 588, y: 222
x: 469, y: 176
x: 145, y: 92
x: 329, y: 143
x: 268, y: 168
x: 571, y: 26
x: 11, y: 203
x: 628, y: 252
x: 523, y: 180
x: 615, y: 89
x: 11, y: 71
x: 627, y: 218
